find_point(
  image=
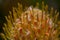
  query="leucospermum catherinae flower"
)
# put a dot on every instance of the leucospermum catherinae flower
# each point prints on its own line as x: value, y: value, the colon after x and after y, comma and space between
x: 31, y: 24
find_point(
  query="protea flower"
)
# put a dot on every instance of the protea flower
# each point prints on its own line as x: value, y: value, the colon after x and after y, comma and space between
x: 31, y: 24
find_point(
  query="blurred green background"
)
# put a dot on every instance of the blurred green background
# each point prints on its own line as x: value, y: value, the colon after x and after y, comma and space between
x: 6, y: 5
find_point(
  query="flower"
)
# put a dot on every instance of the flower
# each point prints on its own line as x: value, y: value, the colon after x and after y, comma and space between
x: 32, y: 24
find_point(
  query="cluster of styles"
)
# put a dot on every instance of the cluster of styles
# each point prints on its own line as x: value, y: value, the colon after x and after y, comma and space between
x: 31, y: 24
